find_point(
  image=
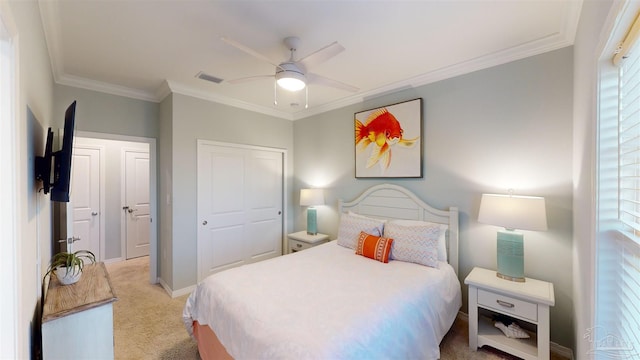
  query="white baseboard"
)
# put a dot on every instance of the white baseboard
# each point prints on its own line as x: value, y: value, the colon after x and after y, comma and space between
x: 183, y: 291
x: 165, y: 286
x: 113, y: 260
x: 561, y: 350
x: 176, y: 293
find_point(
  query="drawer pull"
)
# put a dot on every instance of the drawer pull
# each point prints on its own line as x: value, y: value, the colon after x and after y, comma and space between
x: 299, y: 245
x: 505, y: 304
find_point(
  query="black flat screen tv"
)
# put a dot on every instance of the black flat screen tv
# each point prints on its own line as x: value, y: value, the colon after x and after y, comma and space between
x: 43, y: 164
x: 59, y: 187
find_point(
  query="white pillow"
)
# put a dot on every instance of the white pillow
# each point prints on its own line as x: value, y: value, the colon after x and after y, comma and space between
x: 352, y: 224
x: 442, y: 240
x: 414, y: 243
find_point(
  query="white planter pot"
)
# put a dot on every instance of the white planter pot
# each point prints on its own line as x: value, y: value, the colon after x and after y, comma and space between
x: 68, y: 276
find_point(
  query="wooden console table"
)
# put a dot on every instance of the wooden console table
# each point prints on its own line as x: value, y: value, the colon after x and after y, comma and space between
x: 77, y: 319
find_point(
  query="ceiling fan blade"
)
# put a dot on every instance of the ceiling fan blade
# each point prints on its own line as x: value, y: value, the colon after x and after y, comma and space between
x: 248, y: 78
x: 249, y: 51
x: 321, y: 80
x: 321, y: 55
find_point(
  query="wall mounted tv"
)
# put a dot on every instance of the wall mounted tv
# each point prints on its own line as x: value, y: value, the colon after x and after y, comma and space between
x: 59, y: 187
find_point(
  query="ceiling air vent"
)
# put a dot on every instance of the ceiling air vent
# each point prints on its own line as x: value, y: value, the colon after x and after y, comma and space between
x: 207, y: 77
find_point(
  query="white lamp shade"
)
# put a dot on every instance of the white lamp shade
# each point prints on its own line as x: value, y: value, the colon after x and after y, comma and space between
x: 513, y: 212
x: 311, y: 197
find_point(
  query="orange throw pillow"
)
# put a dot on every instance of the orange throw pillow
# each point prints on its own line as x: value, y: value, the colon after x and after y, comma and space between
x: 374, y: 247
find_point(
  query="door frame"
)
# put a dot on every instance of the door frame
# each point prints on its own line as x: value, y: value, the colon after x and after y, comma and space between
x: 11, y: 339
x: 153, y: 193
x: 102, y: 165
x: 285, y: 187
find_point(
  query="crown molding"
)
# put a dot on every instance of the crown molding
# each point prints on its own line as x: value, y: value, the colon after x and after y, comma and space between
x: 84, y: 83
x: 544, y: 44
x: 179, y: 88
x: 539, y: 46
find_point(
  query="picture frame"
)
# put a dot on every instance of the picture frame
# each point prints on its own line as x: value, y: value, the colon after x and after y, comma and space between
x: 388, y: 141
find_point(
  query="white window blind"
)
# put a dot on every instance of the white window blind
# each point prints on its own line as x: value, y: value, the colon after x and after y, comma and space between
x: 629, y: 144
x: 618, y: 257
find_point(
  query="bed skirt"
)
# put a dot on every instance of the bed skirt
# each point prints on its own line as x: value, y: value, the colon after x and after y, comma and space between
x: 209, y: 346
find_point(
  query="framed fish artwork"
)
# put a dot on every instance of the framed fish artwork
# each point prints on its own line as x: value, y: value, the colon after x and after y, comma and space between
x: 388, y: 141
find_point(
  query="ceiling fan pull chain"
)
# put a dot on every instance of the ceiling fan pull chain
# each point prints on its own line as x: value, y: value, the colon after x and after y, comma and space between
x: 306, y: 100
x: 275, y: 93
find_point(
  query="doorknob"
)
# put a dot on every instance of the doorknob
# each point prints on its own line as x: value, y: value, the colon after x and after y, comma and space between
x: 204, y: 222
x: 94, y: 213
x: 70, y: 240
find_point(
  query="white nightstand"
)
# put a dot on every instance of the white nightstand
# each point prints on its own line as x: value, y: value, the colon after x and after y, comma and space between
x: 527, y: 302
x: 301, y: 240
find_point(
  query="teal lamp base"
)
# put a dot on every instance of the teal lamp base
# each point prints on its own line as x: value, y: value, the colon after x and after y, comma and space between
x: 510, y: 246
x: 312, y: 224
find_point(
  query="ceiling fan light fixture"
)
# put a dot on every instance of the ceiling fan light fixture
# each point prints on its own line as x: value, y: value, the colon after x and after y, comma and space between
x: 289, y: 77
x: 291, y: 83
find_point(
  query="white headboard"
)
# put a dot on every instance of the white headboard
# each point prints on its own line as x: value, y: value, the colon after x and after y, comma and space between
x: 388, y: 201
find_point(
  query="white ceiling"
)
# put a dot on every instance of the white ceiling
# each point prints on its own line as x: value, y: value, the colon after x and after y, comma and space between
x: 145, y: 49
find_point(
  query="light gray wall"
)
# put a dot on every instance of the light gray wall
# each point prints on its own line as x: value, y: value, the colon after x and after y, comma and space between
x: 505, y: 127
x: 465, y: 118
x: 102, y: 113
x: 590, y: 39
x: 34, y: 112
x: 194, y: 119
x: 109, y: 114
x: 165, y: 189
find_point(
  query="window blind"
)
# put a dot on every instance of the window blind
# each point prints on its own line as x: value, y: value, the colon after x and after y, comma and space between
x: 630, y: 295
x: 618, y: 259
x: 629, y: 144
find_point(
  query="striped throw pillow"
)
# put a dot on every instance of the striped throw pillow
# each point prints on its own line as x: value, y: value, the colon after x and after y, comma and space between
x: 374, y: 247
x: 415, y: 244
x: 352, y: 225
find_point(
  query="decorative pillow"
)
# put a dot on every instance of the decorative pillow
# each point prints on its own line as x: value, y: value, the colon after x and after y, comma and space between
x: 351, y: 226
x: 414, y: 243
x: 374, y: 247
x: 442, y: 240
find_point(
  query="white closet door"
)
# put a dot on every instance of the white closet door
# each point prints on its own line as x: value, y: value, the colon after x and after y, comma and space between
x: 264, y: 204
x: 239, y: 206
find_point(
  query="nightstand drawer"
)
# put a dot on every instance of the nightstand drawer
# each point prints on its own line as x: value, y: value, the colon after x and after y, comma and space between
x: 507, y: 304
x: 296, y: 245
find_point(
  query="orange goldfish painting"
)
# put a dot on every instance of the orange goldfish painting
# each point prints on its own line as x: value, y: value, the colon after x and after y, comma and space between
x: 381, y: 130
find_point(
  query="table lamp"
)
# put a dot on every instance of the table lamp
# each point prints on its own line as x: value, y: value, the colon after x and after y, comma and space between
x: 311, y: 198
x: 512, y: 212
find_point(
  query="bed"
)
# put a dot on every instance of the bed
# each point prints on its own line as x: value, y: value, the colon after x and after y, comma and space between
x: 329, y: 302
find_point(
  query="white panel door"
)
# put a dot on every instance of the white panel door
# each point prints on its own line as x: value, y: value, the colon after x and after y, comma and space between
x: 264, y: 204
x: 239, y: 206
x: 136, y: 199
x: 84, y: 201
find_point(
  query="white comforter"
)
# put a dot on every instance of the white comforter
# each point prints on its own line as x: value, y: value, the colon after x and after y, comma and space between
x: 328, y: 303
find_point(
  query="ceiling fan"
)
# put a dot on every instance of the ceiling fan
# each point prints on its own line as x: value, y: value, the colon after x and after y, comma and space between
x: 292, y: 74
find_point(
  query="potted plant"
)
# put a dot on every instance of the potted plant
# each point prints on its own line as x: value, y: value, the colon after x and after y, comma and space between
x: 68, y: 266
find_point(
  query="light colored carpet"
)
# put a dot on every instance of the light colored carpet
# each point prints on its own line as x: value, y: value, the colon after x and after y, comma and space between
x: 148, y: 323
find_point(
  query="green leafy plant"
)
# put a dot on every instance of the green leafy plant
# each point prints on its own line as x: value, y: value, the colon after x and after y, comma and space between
x: 74, y: 261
